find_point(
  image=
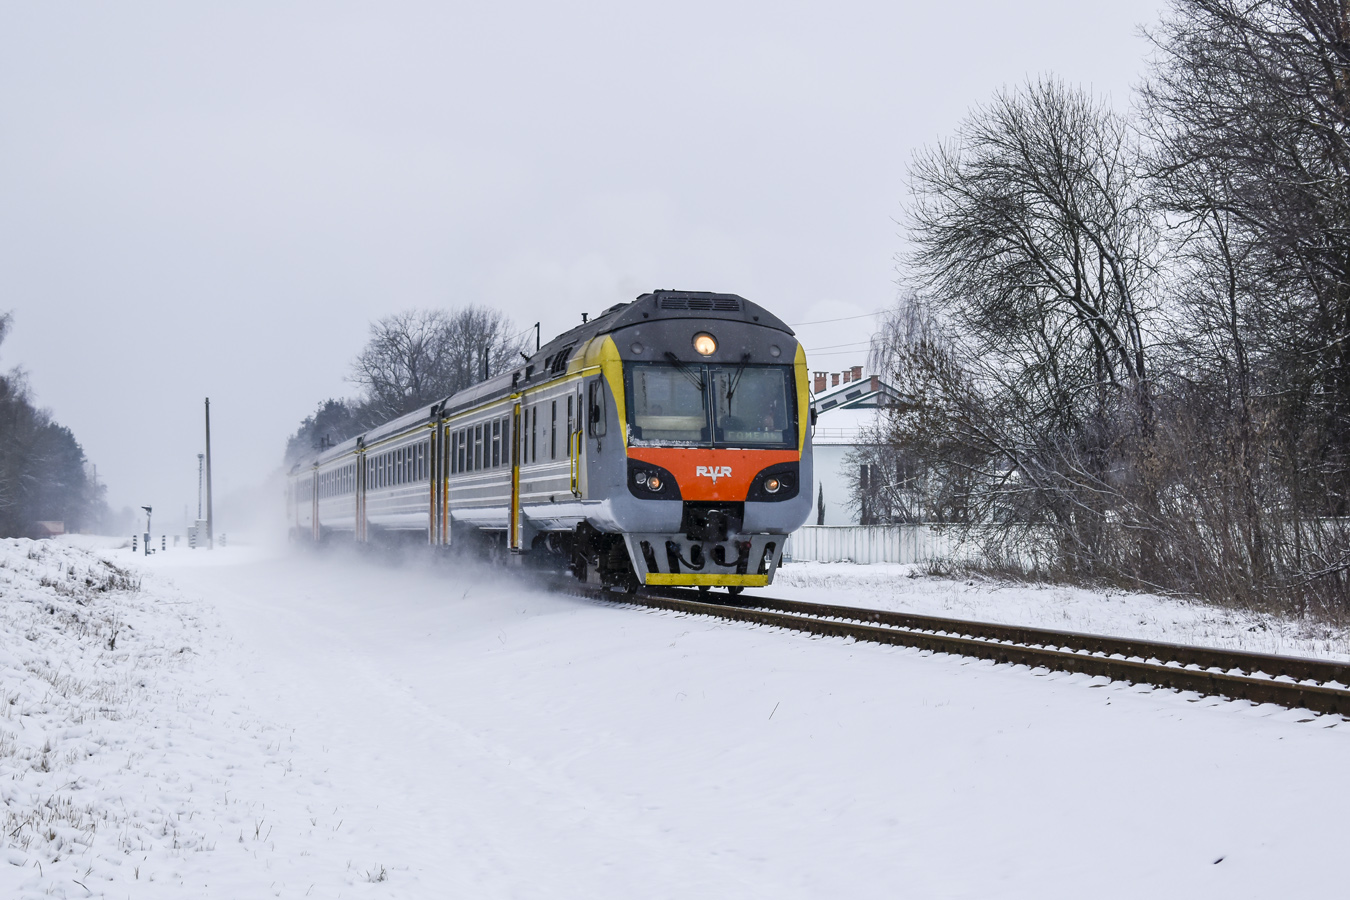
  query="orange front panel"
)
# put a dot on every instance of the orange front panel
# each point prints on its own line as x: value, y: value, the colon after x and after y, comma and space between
x: 712, y: 474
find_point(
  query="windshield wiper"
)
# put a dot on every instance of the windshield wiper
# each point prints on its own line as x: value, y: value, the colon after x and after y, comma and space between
x: 696, y: 376
x: 736, y: 379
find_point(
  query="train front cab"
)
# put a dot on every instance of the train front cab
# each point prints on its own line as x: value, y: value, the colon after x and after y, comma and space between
x: 716, y: 446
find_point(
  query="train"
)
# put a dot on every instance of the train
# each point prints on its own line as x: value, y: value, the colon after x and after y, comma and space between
x: 664, y: 442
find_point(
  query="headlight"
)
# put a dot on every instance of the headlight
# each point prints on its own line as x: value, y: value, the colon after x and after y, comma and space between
x: 705, y: 344
x: 648, y: 481
x: 774, y: 484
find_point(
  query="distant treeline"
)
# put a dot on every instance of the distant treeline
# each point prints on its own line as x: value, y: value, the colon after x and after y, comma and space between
x: 43, y: 473
x: 1131, y: 332
x: 412, y: 359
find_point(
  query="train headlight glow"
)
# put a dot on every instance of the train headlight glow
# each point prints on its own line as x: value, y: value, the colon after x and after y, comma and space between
x: 772, y: 485
x: 705, y: 344
x: 653, y: 482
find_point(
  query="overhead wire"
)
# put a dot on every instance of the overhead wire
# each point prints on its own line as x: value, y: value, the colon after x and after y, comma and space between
x: 840, y: 319
x: 833, y: 352
x: 867, y: 343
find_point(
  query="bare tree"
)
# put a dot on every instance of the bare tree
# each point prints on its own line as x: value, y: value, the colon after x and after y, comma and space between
x: 1249, y: 113
x: 1030, y: 378
x: 482, y: 342
x: 923, y: 460
x: 1050, y: 250
x: 1034, y: 239
x: 417, y: 357
x: 1250, y: 110
x: 405, y: 364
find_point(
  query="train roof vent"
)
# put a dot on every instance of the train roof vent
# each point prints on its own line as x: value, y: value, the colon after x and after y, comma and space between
x: 716, y: 304
x: 558, y: 362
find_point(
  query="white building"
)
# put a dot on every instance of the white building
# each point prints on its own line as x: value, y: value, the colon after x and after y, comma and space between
x: 846, y: 406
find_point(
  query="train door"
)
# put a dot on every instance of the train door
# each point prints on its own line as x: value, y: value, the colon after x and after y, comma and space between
x: 515, y: 524
x: 315, y: 530
x: 445, y: 450
x: 575, y: 442
x: 594, y: 421
x: 433, y: 506
x: 579, y: 453
x: 360, y: 494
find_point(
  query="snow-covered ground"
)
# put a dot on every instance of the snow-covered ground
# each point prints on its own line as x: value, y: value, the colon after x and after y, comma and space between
x: 275, y: 725
x: 1127, y: 614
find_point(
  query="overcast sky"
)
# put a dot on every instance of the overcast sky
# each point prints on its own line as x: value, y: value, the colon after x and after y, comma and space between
x: 217, y: 199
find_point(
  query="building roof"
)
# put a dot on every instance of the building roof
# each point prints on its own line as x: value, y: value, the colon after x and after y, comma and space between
x: 846, y: 409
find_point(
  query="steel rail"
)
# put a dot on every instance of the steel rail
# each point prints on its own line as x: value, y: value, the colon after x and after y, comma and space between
x: 1272, y: 665
x: 1235, y: 674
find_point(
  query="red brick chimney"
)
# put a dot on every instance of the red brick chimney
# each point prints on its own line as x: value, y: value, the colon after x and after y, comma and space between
x: 834, y: 379
x: 857, y: 373
x: 819, y: 386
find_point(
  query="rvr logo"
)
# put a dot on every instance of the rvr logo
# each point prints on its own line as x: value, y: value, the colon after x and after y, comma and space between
x: 713, y: 472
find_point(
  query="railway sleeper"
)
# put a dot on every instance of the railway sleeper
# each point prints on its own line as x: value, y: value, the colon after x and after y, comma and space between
x: 1221, y: 681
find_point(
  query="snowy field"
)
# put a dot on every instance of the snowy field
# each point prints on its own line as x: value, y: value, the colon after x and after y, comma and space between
x: 252, y: 724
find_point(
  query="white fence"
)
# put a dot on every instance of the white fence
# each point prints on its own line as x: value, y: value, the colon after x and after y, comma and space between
x: 873, y: 543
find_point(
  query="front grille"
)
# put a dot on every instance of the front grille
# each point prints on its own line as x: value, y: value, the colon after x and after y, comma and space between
x: 710, y: 304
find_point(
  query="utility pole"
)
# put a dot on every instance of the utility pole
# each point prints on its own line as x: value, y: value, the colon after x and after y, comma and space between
x: 210, y: 531
x: 200, y: 476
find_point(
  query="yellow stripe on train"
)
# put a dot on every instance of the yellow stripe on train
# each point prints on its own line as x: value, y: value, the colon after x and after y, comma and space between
x: 714, y: 580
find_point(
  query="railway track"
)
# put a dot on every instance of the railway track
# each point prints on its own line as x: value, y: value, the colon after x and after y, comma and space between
x: 1295, y: 682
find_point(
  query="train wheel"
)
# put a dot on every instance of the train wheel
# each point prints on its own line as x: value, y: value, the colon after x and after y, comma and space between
x: 703, y: 589
x: 616, y: 570
x: 733, y: 590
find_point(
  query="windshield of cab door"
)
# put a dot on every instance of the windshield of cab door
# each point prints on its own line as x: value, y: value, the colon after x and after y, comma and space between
x: 711, y: 405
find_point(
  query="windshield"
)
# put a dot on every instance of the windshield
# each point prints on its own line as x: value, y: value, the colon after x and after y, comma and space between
x: 667, y: 404
x: 752, y: 406
x: 722, y: 405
